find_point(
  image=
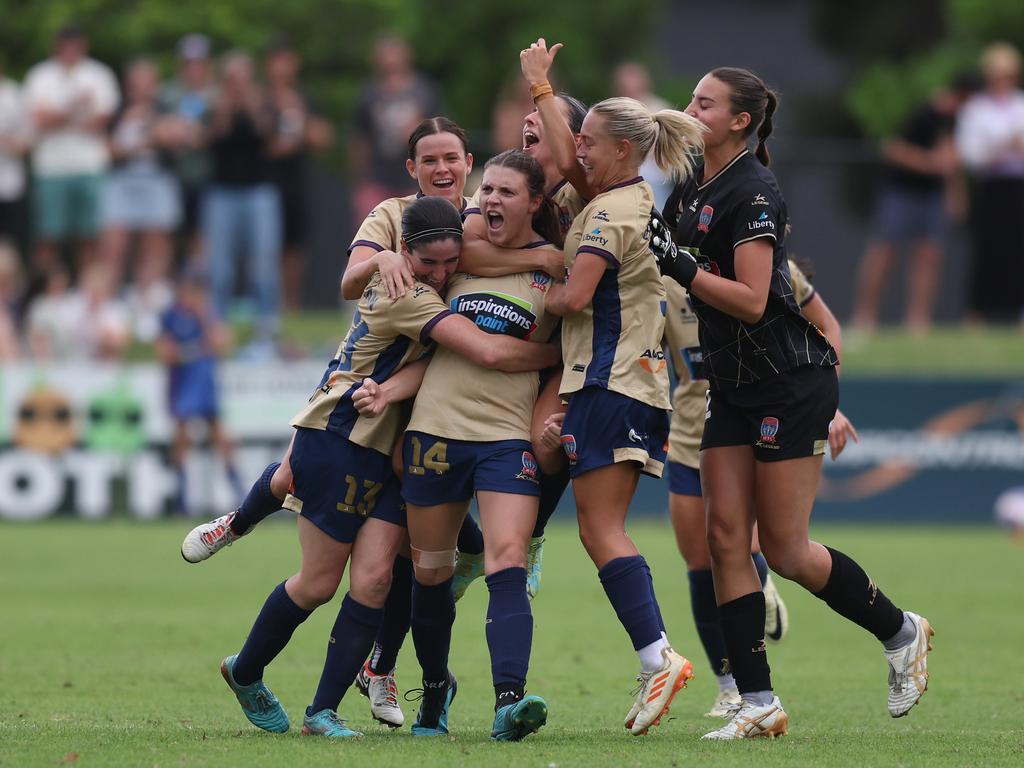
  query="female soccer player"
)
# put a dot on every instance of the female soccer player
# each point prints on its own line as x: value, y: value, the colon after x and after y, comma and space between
x: 614, y: 374
x: 773, y: 391
x: 343, y: 487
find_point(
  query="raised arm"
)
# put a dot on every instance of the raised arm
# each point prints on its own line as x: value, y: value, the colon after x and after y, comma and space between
x: 488, y: 350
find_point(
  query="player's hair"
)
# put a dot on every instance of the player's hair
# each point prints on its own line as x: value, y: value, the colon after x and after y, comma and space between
x: 432, y: 126
x: 675, y: 136
x: 748, y: 93
x: 430, y: 219
x: 577, y: 111
x: 545, y: 220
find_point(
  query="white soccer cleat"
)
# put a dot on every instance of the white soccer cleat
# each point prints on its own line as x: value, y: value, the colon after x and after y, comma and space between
x: 752, y: 722
x: 908, y: 668
x: 657, y: 689
x: 206, y: 540
x: 776, y: 617
x: 382, y: 691
x: 726, y: 703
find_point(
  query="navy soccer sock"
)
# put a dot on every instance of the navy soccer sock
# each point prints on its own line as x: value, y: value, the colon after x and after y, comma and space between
x: 705, y: 617
x: 551, y: 489
x: 657, y: 608
x: 852, y: 594
x: 509, y: 633
x: 351, y: 639
x: 433, y: 613
x: 269, y: 635
x: 397, y: 615
x: 258, y: 504
x: 629, y: 589
x: 471, y: 538
x: 761, y: 565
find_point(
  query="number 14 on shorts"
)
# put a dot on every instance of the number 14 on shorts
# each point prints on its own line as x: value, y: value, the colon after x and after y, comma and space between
x: 435, y: 458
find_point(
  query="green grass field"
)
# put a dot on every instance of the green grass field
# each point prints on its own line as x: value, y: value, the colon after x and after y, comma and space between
x: 110, y: 643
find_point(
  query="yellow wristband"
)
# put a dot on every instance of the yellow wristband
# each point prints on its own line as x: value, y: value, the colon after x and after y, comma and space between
x: 539, y: 90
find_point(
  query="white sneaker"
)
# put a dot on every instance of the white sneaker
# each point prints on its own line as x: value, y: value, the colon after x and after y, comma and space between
x: 206, y: 540
x: 908, y: 668
x: 751, y: 722
x: 776, y: 617
x: 726, y: 704
x: 382, y: 691
x: 657, y: 689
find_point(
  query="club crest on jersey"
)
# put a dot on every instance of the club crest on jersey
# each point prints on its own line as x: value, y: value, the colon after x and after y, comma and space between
x: 769, y: 429
x: 705, y: 218
x: 541, y: 281
x: 569, y: 446
x: 564, y: 218
x: 529, y: 470
x: 652, y: 360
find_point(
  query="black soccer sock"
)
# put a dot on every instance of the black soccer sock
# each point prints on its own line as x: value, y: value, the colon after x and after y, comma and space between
x: 852, y: 594
x: 397, y: 615
x: 629, y: 590
x: 742, y: 622
x: 269, y: 635
x: 761, y: 566
x: 705, y: 617
x: 351, y: 639
x: 258, y: 504
x: 471, y: 538
x: 509, y: 632
x: 551, y: 489
x: 433, y: 613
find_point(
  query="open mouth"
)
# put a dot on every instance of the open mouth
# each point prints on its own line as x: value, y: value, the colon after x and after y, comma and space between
x: 443, y: 184
x: 495, y: 221
x: 529, y: 139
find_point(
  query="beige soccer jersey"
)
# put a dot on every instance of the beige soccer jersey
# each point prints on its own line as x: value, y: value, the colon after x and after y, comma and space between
x: 462, y: 401
x: 615, y: 341
x: 382, y: 227
x: 385, y: 335
x: 803, y: 291
x: 688, y: 398
x: 564, y: 196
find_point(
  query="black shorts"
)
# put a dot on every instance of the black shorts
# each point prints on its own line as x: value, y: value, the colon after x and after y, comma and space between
x: 784, y: 417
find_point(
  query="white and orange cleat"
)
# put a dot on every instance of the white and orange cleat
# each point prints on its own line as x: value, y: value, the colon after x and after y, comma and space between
x: 206, y: 540
x: 908, y: 668
x: 752, y: 722
x: 657, y: 689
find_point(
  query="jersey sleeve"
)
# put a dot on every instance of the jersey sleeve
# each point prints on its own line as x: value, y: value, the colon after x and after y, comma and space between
x: 670, y: 212
x: 472, y: 206
x: 606, y: 233
x: 757, y: 213
x: 415, y: 314
x: 379, y: 230
x: 803, y: 291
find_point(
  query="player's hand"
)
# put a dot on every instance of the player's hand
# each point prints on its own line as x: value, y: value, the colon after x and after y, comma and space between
x: 394, y: 271
x: 839, y: 431
x: 536, y: 60
x: 677, y: 264
x: 370, y: 399
x: 551, y: 437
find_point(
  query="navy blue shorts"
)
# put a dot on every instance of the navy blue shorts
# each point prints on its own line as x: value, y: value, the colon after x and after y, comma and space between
x: 683, y: 480
x: 438, y: 470
x: 906, y: 216
x: 337, y: 485
x: 603, y: 427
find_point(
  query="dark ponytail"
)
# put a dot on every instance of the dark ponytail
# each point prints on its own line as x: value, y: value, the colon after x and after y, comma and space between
x: 748, y: 93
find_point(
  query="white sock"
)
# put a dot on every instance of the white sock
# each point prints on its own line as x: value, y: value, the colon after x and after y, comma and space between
x: 650, y: 655
x: 725, y: 682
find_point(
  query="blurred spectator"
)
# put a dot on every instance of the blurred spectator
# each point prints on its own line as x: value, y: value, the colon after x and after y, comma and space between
x: 297, y: 130
x: 141, y: 199
x: 241, y: 208
x: 631, y: 79
x: 188, y: 98
x: 918, y: 188
x: 11, y: 285
x: 990, y: 136
x: 514, y: 102
x: 14, y: 142
x: 191, y: 339
x: 391, y: 105
x: 71, y: 99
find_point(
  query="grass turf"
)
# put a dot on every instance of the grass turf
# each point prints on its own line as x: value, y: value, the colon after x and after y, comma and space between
x: 109, y: 647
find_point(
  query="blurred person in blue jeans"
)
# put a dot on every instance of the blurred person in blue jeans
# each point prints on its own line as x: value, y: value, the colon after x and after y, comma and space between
x: 241, y: 207
x: 920, y: 189
x: 191, y: 340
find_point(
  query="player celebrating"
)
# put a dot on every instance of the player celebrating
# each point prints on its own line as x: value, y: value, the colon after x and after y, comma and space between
x: 773, y: 391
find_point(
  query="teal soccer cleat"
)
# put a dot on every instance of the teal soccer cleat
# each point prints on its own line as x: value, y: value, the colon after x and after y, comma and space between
x: 468, y: 569
x: 258, y: 703
x: 327, y: 723
x: 515, y: 721
x: 534, y: 556
x: 432, y: 719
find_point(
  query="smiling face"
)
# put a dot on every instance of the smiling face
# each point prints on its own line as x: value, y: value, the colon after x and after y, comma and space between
x: 712, y: 106
x: 435, y: 262
x: 441, y: 167
x: 602, y: 157
x: 507, y: 206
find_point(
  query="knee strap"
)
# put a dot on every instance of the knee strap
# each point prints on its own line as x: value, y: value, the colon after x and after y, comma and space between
x: 442, y: 559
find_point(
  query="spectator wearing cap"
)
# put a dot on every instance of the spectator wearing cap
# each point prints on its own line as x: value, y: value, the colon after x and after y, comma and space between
x: 70, y: 98
x: 188, y: 98
x: 297, y: 130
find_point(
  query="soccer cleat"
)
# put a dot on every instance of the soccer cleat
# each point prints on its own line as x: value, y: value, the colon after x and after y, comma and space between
x: 534, y: 556
x: 382, y: 692
x: 908, y: 668
x: 752, y: 722
x: 726, y: 703
x: 327, y: 723
x: 432, y: 718
x: 206, y: 540
x: 514, y: 722
x: 776, y: 617
x: 657, y: 689
x: 259, y: 704
x: 468, y: 568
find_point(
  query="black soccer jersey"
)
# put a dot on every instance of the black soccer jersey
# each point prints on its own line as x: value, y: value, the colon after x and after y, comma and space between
x: 743, y: 202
